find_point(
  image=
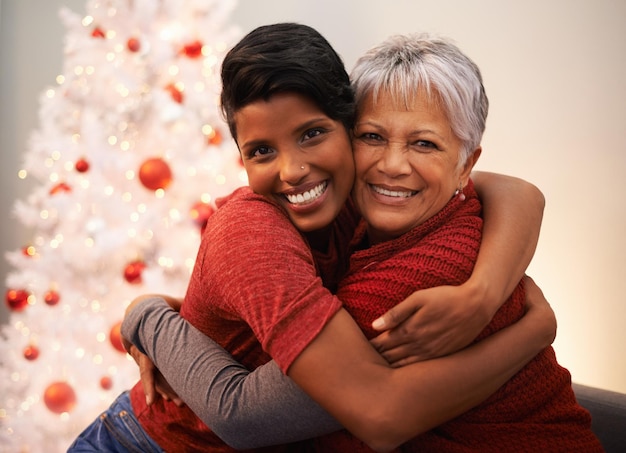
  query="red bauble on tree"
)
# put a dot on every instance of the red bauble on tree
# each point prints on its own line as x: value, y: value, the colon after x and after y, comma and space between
x: 155, y: 174
x: 29, y: 250
x: 214, y: 138
x: 175, y: 93
x: 31, y: 352
x: 133, y: 270
x: 98, y: 33
x: 51, y: 298
x: 17, y: 299
x: 106, y: 382
x: 81, y: 165
x: 193, y: 49
x: 60, y: 188
x: 133, y: 44
x: 59, y: 397
x: 200, y: 213
x: 115, y: 337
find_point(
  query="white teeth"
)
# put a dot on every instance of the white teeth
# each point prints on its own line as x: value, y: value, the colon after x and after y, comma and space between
x: 393, y: 193
x: 308, y: 196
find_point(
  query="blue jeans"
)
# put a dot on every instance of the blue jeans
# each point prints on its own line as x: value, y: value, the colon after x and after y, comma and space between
x: 115, y: 430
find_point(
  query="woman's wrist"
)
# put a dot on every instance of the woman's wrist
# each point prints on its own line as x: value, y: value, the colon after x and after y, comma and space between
x: 482, y: 296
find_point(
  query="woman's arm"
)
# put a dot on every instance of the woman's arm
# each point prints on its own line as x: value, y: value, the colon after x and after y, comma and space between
x: 437, y: 321
x: 512, y: 212
x: 386, y: 406
x: 264, y: 407
x: 346, y: 359
x: 246, y: 410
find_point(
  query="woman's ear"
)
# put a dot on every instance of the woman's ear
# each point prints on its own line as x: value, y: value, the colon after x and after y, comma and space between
x: 469, y: 165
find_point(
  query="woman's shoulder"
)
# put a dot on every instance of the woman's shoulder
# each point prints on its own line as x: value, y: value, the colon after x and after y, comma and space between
x: 250, y: 217
x: 240, y: 194
x: 243, y: 202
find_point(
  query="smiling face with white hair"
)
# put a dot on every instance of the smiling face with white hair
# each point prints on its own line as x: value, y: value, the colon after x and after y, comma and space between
x: 409, y: 163
x: 421, y: 113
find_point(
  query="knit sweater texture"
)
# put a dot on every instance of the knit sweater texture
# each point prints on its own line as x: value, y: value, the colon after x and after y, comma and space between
x: 536, y: 411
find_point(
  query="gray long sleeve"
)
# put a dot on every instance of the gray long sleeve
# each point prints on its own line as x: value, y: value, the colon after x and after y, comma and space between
x: 245, y: 409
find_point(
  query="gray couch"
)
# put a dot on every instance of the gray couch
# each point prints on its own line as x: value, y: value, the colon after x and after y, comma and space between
x: 608, y: 415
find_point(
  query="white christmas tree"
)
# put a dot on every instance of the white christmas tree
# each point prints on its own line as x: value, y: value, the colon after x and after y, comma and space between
x: 129, y: 157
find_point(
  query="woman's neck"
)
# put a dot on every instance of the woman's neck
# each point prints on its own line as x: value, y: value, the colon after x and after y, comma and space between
x: 374, y: 237
x: 319, y: 239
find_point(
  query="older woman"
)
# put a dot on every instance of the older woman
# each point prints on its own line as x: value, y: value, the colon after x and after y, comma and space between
x: 284, y: 137
x: 421, y: 115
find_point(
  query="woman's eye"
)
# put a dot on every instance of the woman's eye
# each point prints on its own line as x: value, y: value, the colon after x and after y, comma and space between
x: 370, y: 137
x: 261, y: 151
x: 425, y: 144
x: 312, y: 133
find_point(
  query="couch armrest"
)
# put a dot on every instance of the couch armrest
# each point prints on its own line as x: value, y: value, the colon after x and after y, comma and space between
x: 608, y: 415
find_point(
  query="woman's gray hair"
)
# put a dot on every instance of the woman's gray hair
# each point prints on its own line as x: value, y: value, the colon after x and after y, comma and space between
x: 404, y: 64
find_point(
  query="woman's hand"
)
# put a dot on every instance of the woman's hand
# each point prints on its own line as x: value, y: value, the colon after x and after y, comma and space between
x: 152, y: 381
x: 173, y: 302
x: 431, y: 323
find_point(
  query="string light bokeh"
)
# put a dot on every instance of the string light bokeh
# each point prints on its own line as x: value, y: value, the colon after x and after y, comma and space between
x: 130, y: 154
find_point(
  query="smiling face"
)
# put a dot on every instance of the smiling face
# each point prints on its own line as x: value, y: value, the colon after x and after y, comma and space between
x: 298, y: 156
x: 407, y: 163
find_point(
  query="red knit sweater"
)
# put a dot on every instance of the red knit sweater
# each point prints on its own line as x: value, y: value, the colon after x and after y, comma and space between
x: 536, y: 411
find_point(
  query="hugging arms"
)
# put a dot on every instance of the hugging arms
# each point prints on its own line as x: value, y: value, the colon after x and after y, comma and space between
x: 253, y: 411
x: 274, y: 253
x: 257, y: 287
x: 414, y: 148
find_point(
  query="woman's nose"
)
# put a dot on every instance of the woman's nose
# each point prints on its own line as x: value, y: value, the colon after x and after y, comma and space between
x: 394, y: 160
x: 293, y: 168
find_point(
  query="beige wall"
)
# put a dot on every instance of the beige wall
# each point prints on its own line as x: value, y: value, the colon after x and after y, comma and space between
x: 555, y: 72
x: 31, y: 56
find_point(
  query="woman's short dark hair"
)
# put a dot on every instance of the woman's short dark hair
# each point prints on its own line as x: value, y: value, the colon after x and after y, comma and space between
x: 286, y: 57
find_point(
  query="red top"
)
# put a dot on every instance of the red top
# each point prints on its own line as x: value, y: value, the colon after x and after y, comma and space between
x: 255, y: 289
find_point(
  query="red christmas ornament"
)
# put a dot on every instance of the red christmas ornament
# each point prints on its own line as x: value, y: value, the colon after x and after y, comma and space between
x: 133, y: 44
x: 175, y: 93
x: 200, y: 213
x: 215, y: 137
x: 51, y: 298
x: 60, y: 188
x: 133, y: 270
x: 106, y: 382
x: 155, y: 174
x: 115, y: 337
x: 17, y: 299
x: 193, y: 49
x: 81, y: 165
x: 29, y: 250
x: 31, y: 352
x: 59, y: 397
x: 97, y: 33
